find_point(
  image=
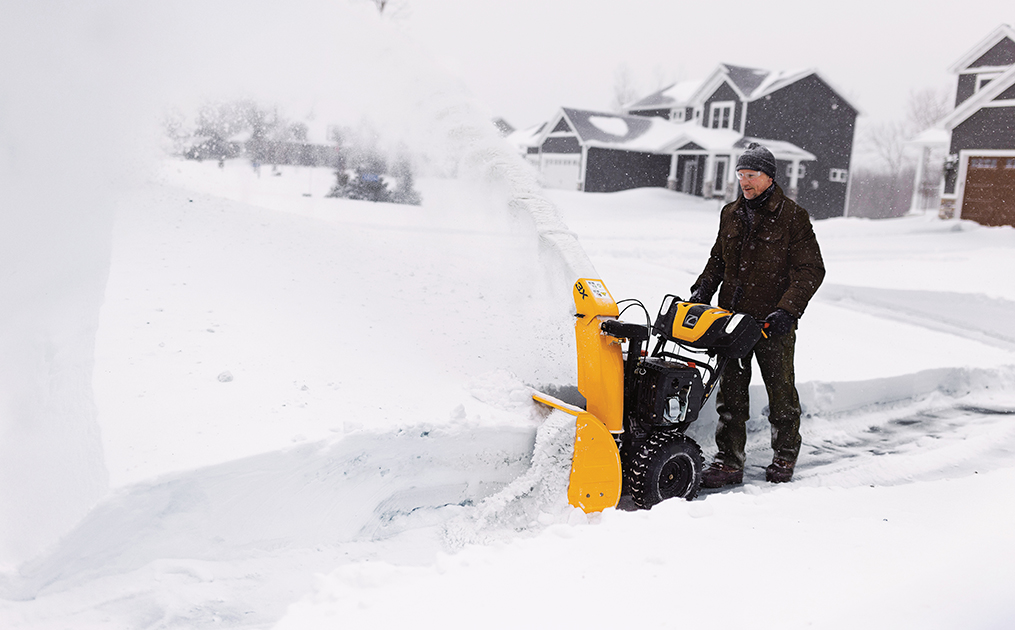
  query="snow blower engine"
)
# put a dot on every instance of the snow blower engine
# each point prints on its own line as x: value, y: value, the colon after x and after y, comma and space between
x: 630, y: 433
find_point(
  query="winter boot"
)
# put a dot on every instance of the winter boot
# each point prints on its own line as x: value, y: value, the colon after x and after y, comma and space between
x: 719, y: 474
x: 779, y: 471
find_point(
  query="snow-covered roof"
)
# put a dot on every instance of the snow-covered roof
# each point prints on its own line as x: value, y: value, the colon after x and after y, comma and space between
x: 720, y: 140
x: 934, y: 136
x: 703, y: 137
x: 617, y: 131
x: 525, y: 138
x: 675, y: 95
x: 752, y: 84
x: 782, y: 150
x: 656, y: 135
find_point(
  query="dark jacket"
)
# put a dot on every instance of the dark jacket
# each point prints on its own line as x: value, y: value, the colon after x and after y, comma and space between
x: 776, y: 263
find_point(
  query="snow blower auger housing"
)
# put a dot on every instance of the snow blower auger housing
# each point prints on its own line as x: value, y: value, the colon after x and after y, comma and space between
x: 639, y: 403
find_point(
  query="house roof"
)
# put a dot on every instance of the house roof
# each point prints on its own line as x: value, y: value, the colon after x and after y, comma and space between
x: 655, y: 135
x: 675, y: 95
x: 617, y: 131
x: 933, y: 136
x: 975, y: 102
x: 752, y: 84
x: 694, y: 137
x: 995, y: 37
x: 525, y: 138
x: 781, y: 149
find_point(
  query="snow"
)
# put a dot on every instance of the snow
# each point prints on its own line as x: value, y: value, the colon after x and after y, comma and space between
x: 611, y: 125
x: 316, y: 412
x: 377, y: 442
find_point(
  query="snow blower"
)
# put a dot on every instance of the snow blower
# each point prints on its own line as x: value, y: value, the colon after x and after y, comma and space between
x: 630, y: 432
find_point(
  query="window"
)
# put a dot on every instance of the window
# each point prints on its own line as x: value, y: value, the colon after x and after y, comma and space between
x: 801, y: 170
x: 983, y: 163
x: 721, y: 115
x: 678, y: 114
x: 1010, y: 163
x: 838, y: 175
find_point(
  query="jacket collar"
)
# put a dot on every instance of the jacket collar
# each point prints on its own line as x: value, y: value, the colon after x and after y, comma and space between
x: 771, y: 207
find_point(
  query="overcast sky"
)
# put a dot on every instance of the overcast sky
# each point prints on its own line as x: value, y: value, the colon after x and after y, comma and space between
x: 525, y: 58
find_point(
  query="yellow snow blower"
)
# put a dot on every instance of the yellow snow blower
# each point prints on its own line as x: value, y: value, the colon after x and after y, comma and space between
x: 637, y: 405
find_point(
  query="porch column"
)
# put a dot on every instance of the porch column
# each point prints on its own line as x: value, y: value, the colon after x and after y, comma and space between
x: 671, y: 181
x: 794, y: 179
x: 581, y: 168
x: 916, y: 200
x: 708, y: 179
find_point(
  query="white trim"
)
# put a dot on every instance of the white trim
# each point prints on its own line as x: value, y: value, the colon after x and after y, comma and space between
x: 984, y: 78
x: 984, y: 70
x: 983, y: 98
x: 981, y: 48
x: 1005, y: 103
x: 960, y: 183
x: 743, y: 118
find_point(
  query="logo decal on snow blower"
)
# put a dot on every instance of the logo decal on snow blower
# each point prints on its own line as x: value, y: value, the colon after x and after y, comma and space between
x: 581, y: 290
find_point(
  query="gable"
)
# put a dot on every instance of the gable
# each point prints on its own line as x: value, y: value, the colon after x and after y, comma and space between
x: 1001, y: 54
x: 690, y: 146
x: 723, y: 93
x: 562, y: 126
x: 747, y: 79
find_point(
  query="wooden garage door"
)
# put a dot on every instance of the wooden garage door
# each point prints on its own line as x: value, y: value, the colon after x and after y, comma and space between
x: 990, y: 191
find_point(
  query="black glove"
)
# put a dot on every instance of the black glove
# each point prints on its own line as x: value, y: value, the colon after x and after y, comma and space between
x: 697, y: 297
x: 778, y: 323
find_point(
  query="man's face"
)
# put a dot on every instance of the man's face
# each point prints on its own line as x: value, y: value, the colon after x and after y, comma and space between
x: 753, y: 183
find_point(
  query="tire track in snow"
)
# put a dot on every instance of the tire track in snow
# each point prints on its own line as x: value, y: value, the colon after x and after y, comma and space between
x: 969, y: 315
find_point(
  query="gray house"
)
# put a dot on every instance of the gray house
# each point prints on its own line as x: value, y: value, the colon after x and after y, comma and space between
x: 606, y: 152
x: 798, y: 109
x: 979, y: 180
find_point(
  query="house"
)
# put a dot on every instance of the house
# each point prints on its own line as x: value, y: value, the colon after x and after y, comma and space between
x: 979, y: 179
x: 606, y: 152
x: 526, y: 142
x: 670, y: 103
x: 798, y: 108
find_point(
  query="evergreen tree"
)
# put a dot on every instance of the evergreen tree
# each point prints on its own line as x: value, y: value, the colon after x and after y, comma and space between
x: 341, y: 187
x: 404, y: 191
x: 367, y: 186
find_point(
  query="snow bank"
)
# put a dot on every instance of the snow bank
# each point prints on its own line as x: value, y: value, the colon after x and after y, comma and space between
x: 80, y: 116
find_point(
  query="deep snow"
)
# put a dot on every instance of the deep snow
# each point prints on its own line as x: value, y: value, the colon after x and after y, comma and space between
x: 313, y: 409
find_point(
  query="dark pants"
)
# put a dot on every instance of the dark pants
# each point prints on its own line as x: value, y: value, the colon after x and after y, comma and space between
x: 775, y: 358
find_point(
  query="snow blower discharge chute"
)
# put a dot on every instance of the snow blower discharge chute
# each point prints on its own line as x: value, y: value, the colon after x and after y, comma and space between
x: 630, y: 432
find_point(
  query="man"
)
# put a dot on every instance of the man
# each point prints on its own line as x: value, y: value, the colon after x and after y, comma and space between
x: 767, y: 260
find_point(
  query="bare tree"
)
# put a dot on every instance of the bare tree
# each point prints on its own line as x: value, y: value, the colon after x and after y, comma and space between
x: 927, y: 107
x: 887, y: 141
x: 624, y: 89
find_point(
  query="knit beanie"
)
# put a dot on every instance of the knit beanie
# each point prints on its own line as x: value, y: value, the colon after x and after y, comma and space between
x: 757, y: 158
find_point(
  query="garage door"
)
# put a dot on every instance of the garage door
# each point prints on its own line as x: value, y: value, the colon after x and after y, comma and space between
x: 989, y: 198
x: 561, y: 170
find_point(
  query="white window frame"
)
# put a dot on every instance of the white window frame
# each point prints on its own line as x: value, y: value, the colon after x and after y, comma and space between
x: 840, y: 175
x: 801, y: 170
x: 982, y: 80
x: 718, y: 109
